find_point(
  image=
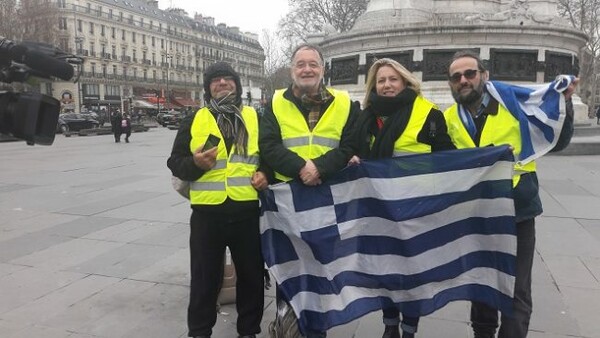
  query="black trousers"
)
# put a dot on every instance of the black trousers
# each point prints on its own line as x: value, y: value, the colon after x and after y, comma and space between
x: 484, y: 319
x: 209, y: 235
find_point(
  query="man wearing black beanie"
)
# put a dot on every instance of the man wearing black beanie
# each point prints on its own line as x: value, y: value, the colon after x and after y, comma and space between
x: 216, y: 150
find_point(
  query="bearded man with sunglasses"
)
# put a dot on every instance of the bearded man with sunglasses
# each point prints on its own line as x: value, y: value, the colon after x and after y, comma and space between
x: 479, y: 120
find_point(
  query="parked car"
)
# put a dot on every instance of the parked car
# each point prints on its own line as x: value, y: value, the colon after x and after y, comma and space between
x: 75, y: 122
x: 160, y: 117
x: 169, y: 118
x: 173, y: 118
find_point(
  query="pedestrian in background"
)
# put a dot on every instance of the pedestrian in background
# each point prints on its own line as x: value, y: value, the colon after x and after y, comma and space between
x: 115, y: 122
x: 126, y: 126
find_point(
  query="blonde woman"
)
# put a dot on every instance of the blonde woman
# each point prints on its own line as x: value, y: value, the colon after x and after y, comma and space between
x: 397, y: 120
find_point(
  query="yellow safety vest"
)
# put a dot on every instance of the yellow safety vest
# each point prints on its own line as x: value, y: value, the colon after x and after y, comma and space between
x: 231, y: 175
x: 501, y: 128
x: 407, y: 143
x: 325, y: 135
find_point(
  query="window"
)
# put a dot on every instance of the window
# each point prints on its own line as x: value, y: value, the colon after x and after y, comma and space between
x: 145, y: 75
x: 88, y: 9
x: 123, y: 35
x: 79, y: 25
x: 90, y: 89
x: 143, y: 39
x: 91, y: 28
x: 133, y: 36
x: 102, y: 30
x: 92, y: 49
x: 112, y: 32
x: 114, y: 69
x: 62, y: 24
x: 104, y: 70
x: 153, y: 41
x: 114, y: 51
x: 93, y: 68
x: 111, y: 90
x: 110, y: 13
x: 64, y: 43
x: 130, y: 19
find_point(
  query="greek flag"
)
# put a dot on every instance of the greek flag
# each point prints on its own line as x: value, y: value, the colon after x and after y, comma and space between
x: 412, y: 232
x: 540, y: 110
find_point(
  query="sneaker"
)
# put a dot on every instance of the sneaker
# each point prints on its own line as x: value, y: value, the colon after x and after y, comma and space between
x: 391, y: 331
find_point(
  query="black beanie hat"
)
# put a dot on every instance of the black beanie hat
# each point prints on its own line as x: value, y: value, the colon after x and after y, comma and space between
x: 220, y: 69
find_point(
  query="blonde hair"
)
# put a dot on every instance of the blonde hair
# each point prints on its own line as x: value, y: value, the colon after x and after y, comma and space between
x: 410, y: 80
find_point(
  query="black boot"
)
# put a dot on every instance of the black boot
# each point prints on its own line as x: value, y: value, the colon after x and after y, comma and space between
x: 391, y: 331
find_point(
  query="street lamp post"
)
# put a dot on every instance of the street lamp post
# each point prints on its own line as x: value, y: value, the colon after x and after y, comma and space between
x: 168, y: 57
x: 78, y: 47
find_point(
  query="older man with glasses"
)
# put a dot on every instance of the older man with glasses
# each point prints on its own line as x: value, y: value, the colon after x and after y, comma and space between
x: 306, y: 132
x: 478, y: 119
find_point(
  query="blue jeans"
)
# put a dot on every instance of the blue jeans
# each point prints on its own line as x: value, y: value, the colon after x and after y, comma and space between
x: 484, y: 319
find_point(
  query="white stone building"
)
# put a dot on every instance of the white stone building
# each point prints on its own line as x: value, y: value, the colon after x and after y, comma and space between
x: 136, y: 53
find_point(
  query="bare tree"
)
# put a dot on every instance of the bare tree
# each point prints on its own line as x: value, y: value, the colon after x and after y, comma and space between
x: 311, y: 16
x: 38, y: 20
x: 275, y: 61
x: 9, y: 27
x: 584, y: 15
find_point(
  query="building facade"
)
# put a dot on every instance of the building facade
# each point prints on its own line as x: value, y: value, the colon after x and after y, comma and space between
x: 138, y: 56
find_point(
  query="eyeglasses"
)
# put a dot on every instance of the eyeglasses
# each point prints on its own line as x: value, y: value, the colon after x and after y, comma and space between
x: 469, y: 74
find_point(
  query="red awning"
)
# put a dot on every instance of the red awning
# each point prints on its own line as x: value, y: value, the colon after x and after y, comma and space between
x: 153, y: 99
x: 185, y: 102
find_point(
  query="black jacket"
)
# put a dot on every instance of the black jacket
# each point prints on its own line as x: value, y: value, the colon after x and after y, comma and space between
x: 288, y: 163
x: 526, y: 194
x: 181, y: 164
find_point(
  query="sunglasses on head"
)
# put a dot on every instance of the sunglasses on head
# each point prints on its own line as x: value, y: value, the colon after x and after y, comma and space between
x: 469, y: 74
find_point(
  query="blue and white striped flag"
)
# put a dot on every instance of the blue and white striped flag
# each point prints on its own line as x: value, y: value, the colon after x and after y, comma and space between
x: 414, y: 232
x: 540, y: 110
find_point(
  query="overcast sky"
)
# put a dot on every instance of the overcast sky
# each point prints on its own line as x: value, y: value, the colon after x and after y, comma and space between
x: 249, y: 15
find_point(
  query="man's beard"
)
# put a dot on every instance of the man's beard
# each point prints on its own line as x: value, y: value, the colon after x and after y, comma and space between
x: 473, y: 97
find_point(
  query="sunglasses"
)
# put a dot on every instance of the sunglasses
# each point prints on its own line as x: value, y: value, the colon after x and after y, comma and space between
x: 469, y: 74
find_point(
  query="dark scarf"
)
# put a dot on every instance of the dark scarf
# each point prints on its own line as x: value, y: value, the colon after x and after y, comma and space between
x: 396, y: 111
x: 229, y: 119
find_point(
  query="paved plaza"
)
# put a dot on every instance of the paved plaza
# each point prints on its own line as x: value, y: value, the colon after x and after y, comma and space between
x: 94, y: 243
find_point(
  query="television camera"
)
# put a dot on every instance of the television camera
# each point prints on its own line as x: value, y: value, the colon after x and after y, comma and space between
x: 31, y: 116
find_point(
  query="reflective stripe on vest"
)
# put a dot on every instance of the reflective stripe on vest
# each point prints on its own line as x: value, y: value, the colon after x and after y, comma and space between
x: 501, y: 128
x: 295, y: 134
x: 231, y: 175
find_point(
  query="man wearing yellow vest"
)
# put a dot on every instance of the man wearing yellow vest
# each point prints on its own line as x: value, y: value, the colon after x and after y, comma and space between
x: 478, y: 119
x: 216, y: 149
x: 306, y: 131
